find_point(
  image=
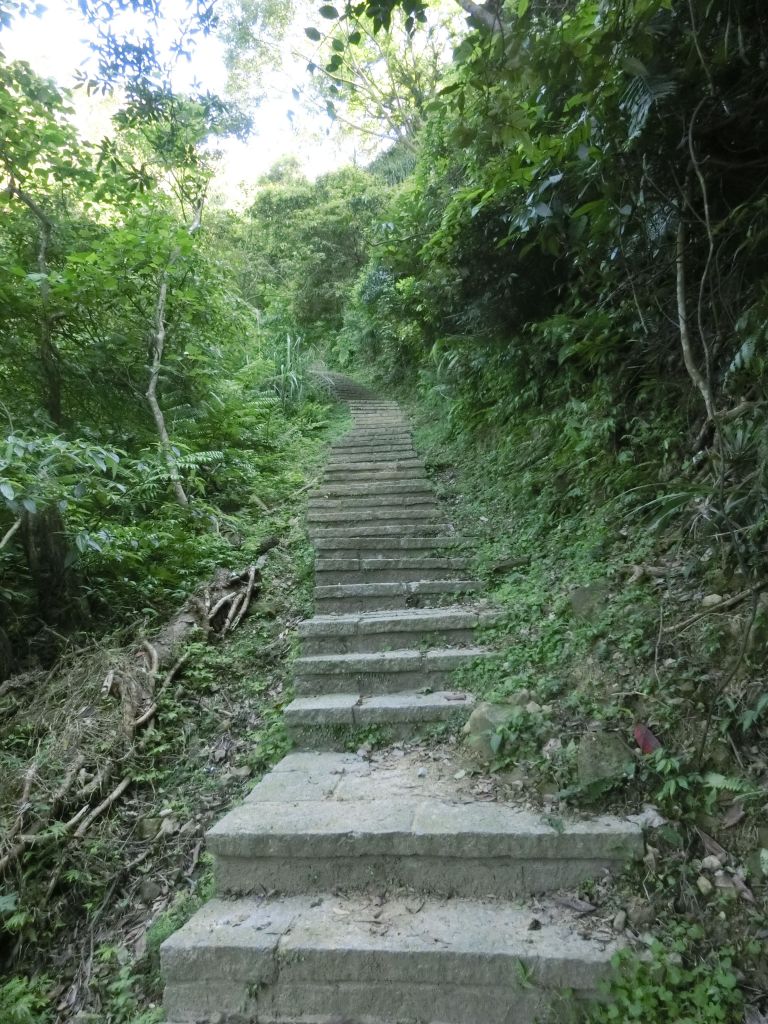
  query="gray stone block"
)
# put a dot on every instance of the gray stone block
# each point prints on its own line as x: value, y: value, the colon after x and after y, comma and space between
x: 367, y: 488
x: 461, y: 962
x: 371, y: 516
x: 383, y: 532
x: 323, y: 709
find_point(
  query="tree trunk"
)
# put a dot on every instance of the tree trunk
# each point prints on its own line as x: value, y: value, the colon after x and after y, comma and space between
x: 47, y: 351
x: 685, y: 335
x: 158, y: 349
x: 60, y: 606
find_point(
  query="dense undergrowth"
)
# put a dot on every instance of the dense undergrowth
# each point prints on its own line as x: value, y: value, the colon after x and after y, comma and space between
x: 606, y: 629
x: 82, y: 918
x: 560, y: 266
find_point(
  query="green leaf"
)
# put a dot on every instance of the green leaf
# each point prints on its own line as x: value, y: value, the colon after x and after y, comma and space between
x: 7, y: 491
x: 329, y: 11
x: 313, y: 34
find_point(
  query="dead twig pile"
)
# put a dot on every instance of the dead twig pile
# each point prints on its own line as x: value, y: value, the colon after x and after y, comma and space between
x: 89, y: 715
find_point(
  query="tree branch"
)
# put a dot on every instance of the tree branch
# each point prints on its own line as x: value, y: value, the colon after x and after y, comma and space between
x: 481, y: 14
x: 158, y: 349
x: 682, y: 317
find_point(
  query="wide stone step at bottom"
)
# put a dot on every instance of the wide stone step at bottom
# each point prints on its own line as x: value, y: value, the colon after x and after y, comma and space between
x: 354, y: 443
x: 302, y: 960
x: 392, y: 630
x: 384, y: 532
x: 390, y: 570
x: 367, y: 454
x: 382, y: 671
x: 373, y: 476
x: 348, y: 597
x: 383, y: 466
x: 369, y: 515
x: 363, y: 502
x: 341, y: 821
x: 364, y: 488
x: 374, y: 547
x: 323, y: 721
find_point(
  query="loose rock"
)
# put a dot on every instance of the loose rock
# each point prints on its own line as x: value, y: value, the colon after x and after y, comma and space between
x: 483, y: 724
x: 711, y: 863
x: 704, y: 885
x: 603, y: 757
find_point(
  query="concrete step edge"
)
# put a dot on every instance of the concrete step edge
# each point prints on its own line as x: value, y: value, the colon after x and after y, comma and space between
x: 463, y: 616
x: 315, y: 958
x: 440, y: 659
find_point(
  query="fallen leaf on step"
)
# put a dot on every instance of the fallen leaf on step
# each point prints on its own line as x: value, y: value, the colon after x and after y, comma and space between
x: 649, y: 817
x: 742, y: 889
x: 646, y: 740
x: 712, y: 846
x: 733, y: 815
x: 577, y: 905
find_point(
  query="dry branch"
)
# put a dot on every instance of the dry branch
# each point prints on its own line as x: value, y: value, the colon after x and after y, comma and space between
x: 105, y: 804
x: 682, y: 318
x: 137, y: 686
x: 9, y: 534
x: 722, y: 606
x: 233, y: 608
x: 247, y: 598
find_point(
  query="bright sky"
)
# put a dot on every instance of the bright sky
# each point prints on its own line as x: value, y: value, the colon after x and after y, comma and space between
x: 57, y: 42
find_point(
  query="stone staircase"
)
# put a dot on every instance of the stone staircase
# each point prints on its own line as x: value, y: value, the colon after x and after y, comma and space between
x: 385, y: 889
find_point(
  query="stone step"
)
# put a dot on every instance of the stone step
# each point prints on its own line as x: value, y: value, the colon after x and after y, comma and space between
x: 373, y: 467
x: 375, y: 439
x: 328, y: 821
x: 379, y: 501
x: 349, y: 597
x: 385, y: 532
x: 373, y: 435
x: 364, y: 488
x: 375, y: 406
x: 386, y: 631
x: 323, y: 721
x: 387, y: 421
x: 387, y: 570
x: 381, y: 453
x: 387, y: 515
x: 373, y: 476
x: 338, y: 960
x: 357, y: 546
x: 382, y: 671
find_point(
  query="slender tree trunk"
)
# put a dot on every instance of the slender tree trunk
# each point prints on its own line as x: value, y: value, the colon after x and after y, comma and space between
x: 50, y: 362
x: 685, y: 335
x: 158, y: 349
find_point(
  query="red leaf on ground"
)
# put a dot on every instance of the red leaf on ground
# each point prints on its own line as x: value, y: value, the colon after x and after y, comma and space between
x: 645, y: 739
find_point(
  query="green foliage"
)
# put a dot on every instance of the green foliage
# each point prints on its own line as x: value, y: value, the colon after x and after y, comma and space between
x: 530, y: 259
x: 674, y: 984
x: 304, y: 243
x: 24, y: 1001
